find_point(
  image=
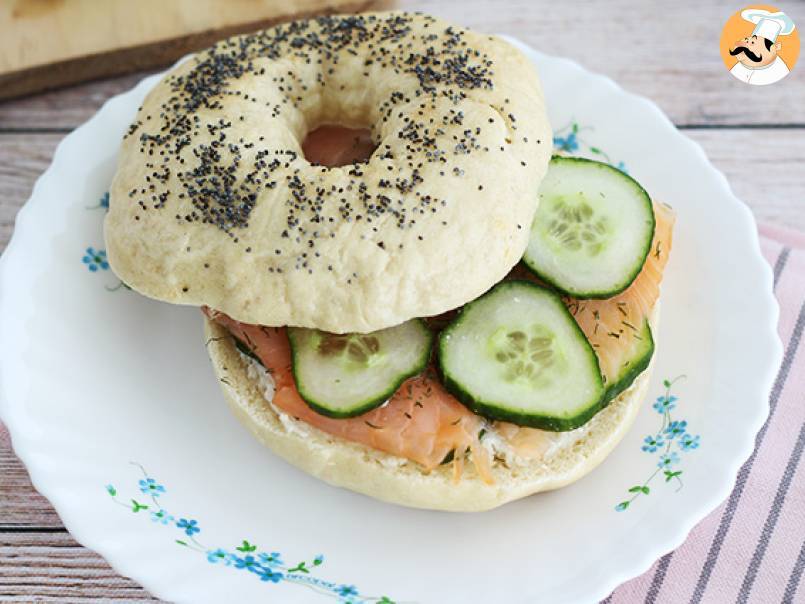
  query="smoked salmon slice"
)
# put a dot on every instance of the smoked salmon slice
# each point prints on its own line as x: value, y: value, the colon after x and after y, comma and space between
x: 611, y: 324
x: 337, y: 146
x: 421, y: 422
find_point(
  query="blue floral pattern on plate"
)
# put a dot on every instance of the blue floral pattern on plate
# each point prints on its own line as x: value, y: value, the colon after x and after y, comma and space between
x: 269, y: 567
x: 568, y: 140
x: 671, y: 433
x: 95, y: 260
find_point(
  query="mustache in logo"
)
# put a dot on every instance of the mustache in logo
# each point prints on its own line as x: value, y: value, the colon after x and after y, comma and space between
x: 743, y: 49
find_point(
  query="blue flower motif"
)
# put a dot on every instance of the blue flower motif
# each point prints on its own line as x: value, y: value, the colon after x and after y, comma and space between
x: 272, y: 559
x: 568, y: 143
x: 665, y: 403
x: 688, y: 442
x: 190, y: 526
x: 675, y: 429
x: 162, y: 517
x: 104, y: 202
x: 216, y: 556
x: 346, y: 590
x: 667, y: 460
x: 622, y: 167
x: 95, y: 259
x: 318, y: 560
x: 268, y: 574
x: 248, y: 562
x: 149, y: 486
x: 621, y: 506
x: 652, y: 443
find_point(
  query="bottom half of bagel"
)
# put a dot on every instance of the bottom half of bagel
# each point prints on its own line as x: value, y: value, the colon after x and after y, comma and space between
x: 247, y: 388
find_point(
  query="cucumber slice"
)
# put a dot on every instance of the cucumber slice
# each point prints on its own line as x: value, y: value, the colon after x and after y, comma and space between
x: 516, y: 354
x: 592, y: 230
x: 344, y: 375
x: 635, y: 360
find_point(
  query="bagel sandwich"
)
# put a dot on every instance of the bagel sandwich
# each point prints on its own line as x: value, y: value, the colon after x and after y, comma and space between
x: 404, y: 293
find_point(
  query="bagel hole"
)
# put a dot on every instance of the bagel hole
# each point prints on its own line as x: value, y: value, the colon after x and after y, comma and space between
x: 330, y: 145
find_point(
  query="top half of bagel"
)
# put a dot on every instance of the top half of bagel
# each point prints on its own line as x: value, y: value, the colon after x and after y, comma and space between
x: 214, y: 202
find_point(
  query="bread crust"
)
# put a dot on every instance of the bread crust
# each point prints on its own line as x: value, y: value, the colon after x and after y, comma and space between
x: 380, y: 475
x: 440, y: 213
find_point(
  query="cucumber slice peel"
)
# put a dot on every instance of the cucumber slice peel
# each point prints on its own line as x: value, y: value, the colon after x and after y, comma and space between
x: 345, y: 375
x: 636, y: 360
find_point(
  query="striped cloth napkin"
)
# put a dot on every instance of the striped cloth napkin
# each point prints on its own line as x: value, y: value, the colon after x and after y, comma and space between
x: 751, y: 549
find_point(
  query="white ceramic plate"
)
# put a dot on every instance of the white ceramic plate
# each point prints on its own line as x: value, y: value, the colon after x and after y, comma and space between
x: 95, y: 377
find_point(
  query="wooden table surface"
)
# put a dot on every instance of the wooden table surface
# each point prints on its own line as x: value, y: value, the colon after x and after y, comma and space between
x: 755, y: 135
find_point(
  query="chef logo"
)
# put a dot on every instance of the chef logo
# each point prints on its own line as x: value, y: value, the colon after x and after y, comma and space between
x: 759, y: 45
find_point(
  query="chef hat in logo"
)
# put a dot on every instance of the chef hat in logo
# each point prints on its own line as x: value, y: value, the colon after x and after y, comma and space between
x: 767, y: 24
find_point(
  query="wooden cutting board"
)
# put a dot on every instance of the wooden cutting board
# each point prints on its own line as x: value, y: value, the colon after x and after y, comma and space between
x: 50, y: 43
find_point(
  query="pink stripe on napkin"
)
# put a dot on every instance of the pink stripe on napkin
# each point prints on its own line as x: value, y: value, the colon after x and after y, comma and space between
x: 751, y: 549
